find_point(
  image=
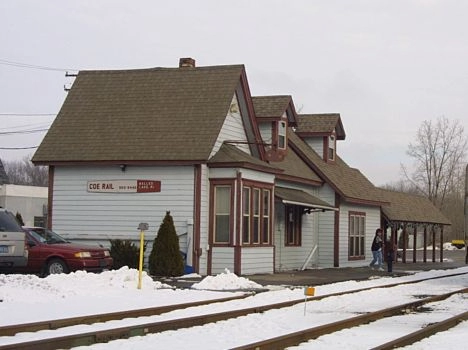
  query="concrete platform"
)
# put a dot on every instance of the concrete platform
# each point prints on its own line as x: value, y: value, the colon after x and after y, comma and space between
x: 314, y: 277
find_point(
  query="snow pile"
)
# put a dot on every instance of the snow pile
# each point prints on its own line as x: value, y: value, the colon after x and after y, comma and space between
x: 226, y: 281
x: 450, y: 246
x: 81, y: 283
x: 14, y: 287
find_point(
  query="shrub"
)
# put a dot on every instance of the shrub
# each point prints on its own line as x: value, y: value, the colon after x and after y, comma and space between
x: 19, y: 218
x: 165, y: 258
x: 125, y: 253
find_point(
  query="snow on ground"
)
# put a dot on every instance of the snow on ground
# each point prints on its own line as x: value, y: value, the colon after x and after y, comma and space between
x: 28, y: 298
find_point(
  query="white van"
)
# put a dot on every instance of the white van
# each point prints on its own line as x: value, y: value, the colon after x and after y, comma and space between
x: 13, y: 248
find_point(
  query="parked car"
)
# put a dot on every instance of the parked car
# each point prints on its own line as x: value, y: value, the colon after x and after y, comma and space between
x: 13, y: 248
x: 459, y: 243
x: 50, y: 253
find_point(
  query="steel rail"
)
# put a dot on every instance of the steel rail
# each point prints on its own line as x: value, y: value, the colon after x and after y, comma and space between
x: 11, y: 330
x: 89, y: 338
x: 424, y: 332
x: 296, y: 338
x: 111, y: 316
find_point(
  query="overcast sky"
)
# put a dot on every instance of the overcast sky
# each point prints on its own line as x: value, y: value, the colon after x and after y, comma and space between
x: 385, y: 66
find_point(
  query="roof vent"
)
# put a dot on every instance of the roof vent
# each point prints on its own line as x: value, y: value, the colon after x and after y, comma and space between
x: 186, y: 62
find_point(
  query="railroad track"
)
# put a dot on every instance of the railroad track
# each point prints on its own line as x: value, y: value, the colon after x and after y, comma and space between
x: 305, y: 335
x: 92, y: 337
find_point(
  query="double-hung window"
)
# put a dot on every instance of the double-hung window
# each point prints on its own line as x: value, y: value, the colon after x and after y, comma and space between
x: 222, y: 213
x: 357, y: 234
x: 282, y: 135
x: 256, y: 215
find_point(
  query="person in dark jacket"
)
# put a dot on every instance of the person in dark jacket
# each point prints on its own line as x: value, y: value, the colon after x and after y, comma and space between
x: 389, y: 253
x: 376, y: 249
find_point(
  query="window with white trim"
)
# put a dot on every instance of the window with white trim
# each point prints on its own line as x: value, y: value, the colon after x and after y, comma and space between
x: 222, y: 217
x: 246, y: 215
x: 357, y: 234
x: 282, y: 135
x: 266, y: 216
x: 256, y: 209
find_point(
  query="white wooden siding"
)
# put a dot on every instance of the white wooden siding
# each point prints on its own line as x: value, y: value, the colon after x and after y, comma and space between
x: 223, y: 258
x: 247, y: 174
x: 232, y: 130
x: 257, y: 260
x: 78, y: 214
x: 326, y: 228
x: 372, y: 222
x: 265, y: 133
x: 293, y: 258
x: 316, y: 143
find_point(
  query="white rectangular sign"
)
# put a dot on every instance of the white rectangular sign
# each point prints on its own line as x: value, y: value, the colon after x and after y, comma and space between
x: 124, y: 186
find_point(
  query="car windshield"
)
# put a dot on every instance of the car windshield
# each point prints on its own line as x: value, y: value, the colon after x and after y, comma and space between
x: 8, y: 222
x: 44, y: 235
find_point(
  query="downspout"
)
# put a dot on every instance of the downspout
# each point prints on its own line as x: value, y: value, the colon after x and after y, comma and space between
x: 311, y: 254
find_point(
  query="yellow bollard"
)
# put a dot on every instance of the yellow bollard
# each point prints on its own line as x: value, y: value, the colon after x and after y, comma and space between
x: 142, y: 227
x: 308, y: 292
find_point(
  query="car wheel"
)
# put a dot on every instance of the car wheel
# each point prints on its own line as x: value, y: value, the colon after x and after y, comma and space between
x: 56, y: 266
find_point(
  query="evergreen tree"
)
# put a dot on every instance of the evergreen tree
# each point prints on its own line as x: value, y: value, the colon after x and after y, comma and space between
x: 19, y: 218
x: 165, y: 258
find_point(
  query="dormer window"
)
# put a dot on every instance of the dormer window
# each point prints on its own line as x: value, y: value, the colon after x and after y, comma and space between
x: 282, y: 135
x: 331, y: 147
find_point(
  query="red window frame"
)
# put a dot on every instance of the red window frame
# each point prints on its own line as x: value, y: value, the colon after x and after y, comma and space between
x: 256, y: 214
x: 293, y: 225
x: 356, y: 235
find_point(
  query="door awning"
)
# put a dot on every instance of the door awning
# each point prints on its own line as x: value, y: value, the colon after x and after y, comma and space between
x: 298, y: 197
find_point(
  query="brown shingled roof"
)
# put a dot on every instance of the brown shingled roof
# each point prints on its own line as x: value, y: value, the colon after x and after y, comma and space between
x: 273, y: 107
x: 412, y: 208
x: 348, y: 182
x: 320, y: 124
x: 231, y: 156
x: 295, y: 167
x: 158, y: 114
x: 270, y: 106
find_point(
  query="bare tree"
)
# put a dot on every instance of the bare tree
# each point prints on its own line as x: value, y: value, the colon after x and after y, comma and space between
x: 439, y: 152
x: 401, y: 185
x: 23, y: 172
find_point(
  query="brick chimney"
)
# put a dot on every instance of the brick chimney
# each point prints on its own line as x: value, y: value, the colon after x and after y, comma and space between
x: 186, y: 62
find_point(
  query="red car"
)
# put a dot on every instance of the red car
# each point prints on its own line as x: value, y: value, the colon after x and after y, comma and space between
x: 50, y: 253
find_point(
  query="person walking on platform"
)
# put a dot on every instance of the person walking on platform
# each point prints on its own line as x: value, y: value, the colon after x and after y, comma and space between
x: 376, y: 249
x: 389, y: 253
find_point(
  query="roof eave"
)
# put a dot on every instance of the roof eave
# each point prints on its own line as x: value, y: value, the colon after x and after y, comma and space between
x: 245, y: 165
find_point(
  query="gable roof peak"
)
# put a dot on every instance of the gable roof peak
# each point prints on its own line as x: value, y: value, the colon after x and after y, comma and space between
x: 176, y: 114
x: 320, y: 124
x: 273, y: 107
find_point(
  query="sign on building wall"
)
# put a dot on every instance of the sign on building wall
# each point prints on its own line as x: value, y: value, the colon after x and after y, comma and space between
x: 124, y: 186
